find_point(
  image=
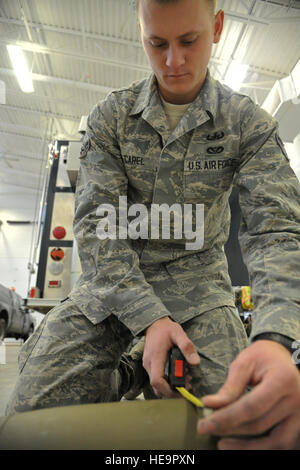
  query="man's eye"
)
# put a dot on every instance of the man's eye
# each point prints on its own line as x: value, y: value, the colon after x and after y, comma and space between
x: 187, y: 43
x: 157, y: 44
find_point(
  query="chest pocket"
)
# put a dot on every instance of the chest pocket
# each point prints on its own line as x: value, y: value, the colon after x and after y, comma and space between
x: 141, y: 172
x: 141, y: 183
x: 140, y: 155
x: 209, y: 169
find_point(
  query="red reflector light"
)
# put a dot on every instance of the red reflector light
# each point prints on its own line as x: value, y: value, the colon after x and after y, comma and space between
x: 32, y: 293
x: 57, y: 254
x: 54, y: 284
x: 59, y: 232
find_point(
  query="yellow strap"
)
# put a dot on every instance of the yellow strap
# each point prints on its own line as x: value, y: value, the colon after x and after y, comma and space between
x: 196, y: 401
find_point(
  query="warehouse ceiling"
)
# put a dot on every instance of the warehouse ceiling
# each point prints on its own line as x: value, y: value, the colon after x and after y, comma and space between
x: 80, y: 50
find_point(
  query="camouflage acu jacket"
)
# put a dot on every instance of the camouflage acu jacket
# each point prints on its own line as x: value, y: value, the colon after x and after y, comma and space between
x: 222, y: 139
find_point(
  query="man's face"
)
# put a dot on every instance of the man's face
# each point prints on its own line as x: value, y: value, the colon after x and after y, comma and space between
x: 178, y: 38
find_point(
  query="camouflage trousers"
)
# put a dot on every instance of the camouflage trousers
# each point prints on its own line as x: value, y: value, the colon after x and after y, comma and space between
x: 68, y: 360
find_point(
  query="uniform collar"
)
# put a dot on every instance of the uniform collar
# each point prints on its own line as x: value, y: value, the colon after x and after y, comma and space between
x: 203, y: 108
x: 207, y: 99
x: 148, y: 89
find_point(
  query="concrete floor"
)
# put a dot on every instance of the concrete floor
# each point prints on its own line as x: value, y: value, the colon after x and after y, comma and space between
x: 8, y: 371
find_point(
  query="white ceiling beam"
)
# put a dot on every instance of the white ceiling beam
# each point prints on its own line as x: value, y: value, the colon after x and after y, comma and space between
x: 260, y: 21
x: 34, y: 189
x: 13, y: 171
x: 258, y: 85
x: 73, y: 32
x: 26, y: 156
x: 38, y: 131
x: 61, y: 136
x: 8, y: 133
x: 62, y: 81
x: 37, y: 48
x: 52, y: 99
x: 47, y: 114
x: 241, y: 18
x: 252, y: 69
x: 282, y: 19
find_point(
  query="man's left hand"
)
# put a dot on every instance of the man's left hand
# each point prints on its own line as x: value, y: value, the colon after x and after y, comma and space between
x: 272, y: 405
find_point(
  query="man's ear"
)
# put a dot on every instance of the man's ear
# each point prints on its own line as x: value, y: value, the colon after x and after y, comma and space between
x: 218, y: 26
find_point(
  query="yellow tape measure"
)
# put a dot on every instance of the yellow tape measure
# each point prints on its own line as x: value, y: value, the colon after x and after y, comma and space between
x: 196, y: 401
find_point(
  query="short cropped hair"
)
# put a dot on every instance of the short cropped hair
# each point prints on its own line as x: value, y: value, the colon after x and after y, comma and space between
x: 212, y: 3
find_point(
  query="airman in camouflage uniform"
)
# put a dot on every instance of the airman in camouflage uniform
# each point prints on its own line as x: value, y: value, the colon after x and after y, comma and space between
x: 222, y: 140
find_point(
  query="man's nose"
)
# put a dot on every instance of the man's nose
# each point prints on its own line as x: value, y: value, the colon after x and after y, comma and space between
x: 175, y: 57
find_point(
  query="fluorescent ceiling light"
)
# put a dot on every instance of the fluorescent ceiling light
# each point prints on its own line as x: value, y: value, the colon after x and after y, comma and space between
x: 235, y: 75
x: 19, y: 64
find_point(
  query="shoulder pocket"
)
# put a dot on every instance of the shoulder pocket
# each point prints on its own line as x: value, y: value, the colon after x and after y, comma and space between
x: 86, y: 145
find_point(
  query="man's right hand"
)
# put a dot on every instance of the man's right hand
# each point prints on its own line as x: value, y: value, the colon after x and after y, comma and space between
x: 161, y: 336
